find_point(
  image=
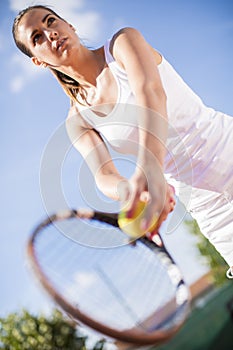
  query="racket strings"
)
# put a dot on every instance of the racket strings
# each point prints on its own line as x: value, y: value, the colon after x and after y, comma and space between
x: 121, y: 287
x: 57, y: 250
x: 92, y: 233
x: 150, y: 299
x: 141, y: 280
x: 122, y: 301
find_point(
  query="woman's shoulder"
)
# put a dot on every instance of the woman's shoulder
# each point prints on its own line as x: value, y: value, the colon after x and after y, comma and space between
x: 122, y: 42
x: 127, y: 38
x: 127, y: 32
x: 123, y: 34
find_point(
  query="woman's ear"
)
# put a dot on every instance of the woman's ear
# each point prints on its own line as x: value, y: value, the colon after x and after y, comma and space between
x: 37, y: 62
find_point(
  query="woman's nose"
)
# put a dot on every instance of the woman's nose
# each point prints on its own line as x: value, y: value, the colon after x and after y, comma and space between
x: 53, y: 35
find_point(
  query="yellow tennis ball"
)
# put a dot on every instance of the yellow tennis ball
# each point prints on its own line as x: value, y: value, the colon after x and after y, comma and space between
x: 131, y: 226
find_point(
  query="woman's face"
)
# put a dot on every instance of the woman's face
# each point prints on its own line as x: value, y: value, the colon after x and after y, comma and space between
x: 50, y: 39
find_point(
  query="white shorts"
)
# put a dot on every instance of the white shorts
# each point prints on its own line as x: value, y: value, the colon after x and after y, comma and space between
x: 214, y: 215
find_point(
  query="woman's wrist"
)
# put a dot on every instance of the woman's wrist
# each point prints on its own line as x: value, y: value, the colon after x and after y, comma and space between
x: 122, y: 190
x: 147, y: 159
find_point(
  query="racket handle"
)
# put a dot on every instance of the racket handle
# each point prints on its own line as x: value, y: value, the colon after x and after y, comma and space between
x: 111, y: 218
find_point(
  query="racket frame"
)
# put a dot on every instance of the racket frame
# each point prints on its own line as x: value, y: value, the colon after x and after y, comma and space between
x: 132, y: 336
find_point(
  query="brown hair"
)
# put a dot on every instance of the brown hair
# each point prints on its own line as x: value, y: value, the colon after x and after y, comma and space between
x: 71, y: 86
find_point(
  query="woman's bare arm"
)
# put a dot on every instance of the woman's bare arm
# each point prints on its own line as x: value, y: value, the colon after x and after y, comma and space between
x: 137, y: 58
x: 95, y: 153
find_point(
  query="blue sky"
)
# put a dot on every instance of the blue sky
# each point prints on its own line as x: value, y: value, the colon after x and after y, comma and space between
x: 195, y: 36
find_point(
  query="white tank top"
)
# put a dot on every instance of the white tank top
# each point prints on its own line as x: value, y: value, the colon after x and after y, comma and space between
x: 199, y: 138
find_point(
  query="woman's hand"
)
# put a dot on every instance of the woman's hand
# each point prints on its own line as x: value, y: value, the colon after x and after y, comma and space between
x: 149, y: 185
x: 169, y: 206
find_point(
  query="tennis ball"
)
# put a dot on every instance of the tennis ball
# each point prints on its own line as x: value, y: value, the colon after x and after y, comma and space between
x: 131, y: 226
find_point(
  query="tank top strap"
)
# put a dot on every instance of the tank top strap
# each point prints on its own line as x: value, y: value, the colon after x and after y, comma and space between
x: 108, y: 56
x: 113, y: 65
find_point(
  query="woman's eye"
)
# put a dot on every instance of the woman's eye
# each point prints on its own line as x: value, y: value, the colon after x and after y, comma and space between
x: 36, y: 38
x: 50, y: 21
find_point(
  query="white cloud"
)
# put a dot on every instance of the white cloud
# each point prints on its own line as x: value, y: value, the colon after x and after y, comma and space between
x: 81, y: 283
x: 87, y: 23
x: 16, y: 84
x: 26, y: 72
x: 17, y: 5
x: 86, y: 279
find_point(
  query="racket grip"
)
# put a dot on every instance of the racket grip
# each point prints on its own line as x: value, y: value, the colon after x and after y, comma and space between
x: 111, y: 218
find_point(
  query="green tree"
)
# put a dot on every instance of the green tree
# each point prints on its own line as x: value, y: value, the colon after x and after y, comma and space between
x: 24, y: 331
x: 214, y: 260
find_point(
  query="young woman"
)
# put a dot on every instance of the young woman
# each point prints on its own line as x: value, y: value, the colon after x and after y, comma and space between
x: 126, y: 93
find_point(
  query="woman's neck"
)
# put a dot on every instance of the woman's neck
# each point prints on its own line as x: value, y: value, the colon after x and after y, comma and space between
x: 87, y: 65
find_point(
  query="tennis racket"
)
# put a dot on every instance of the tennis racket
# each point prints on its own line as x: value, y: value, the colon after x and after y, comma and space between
x: 129, y: 291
